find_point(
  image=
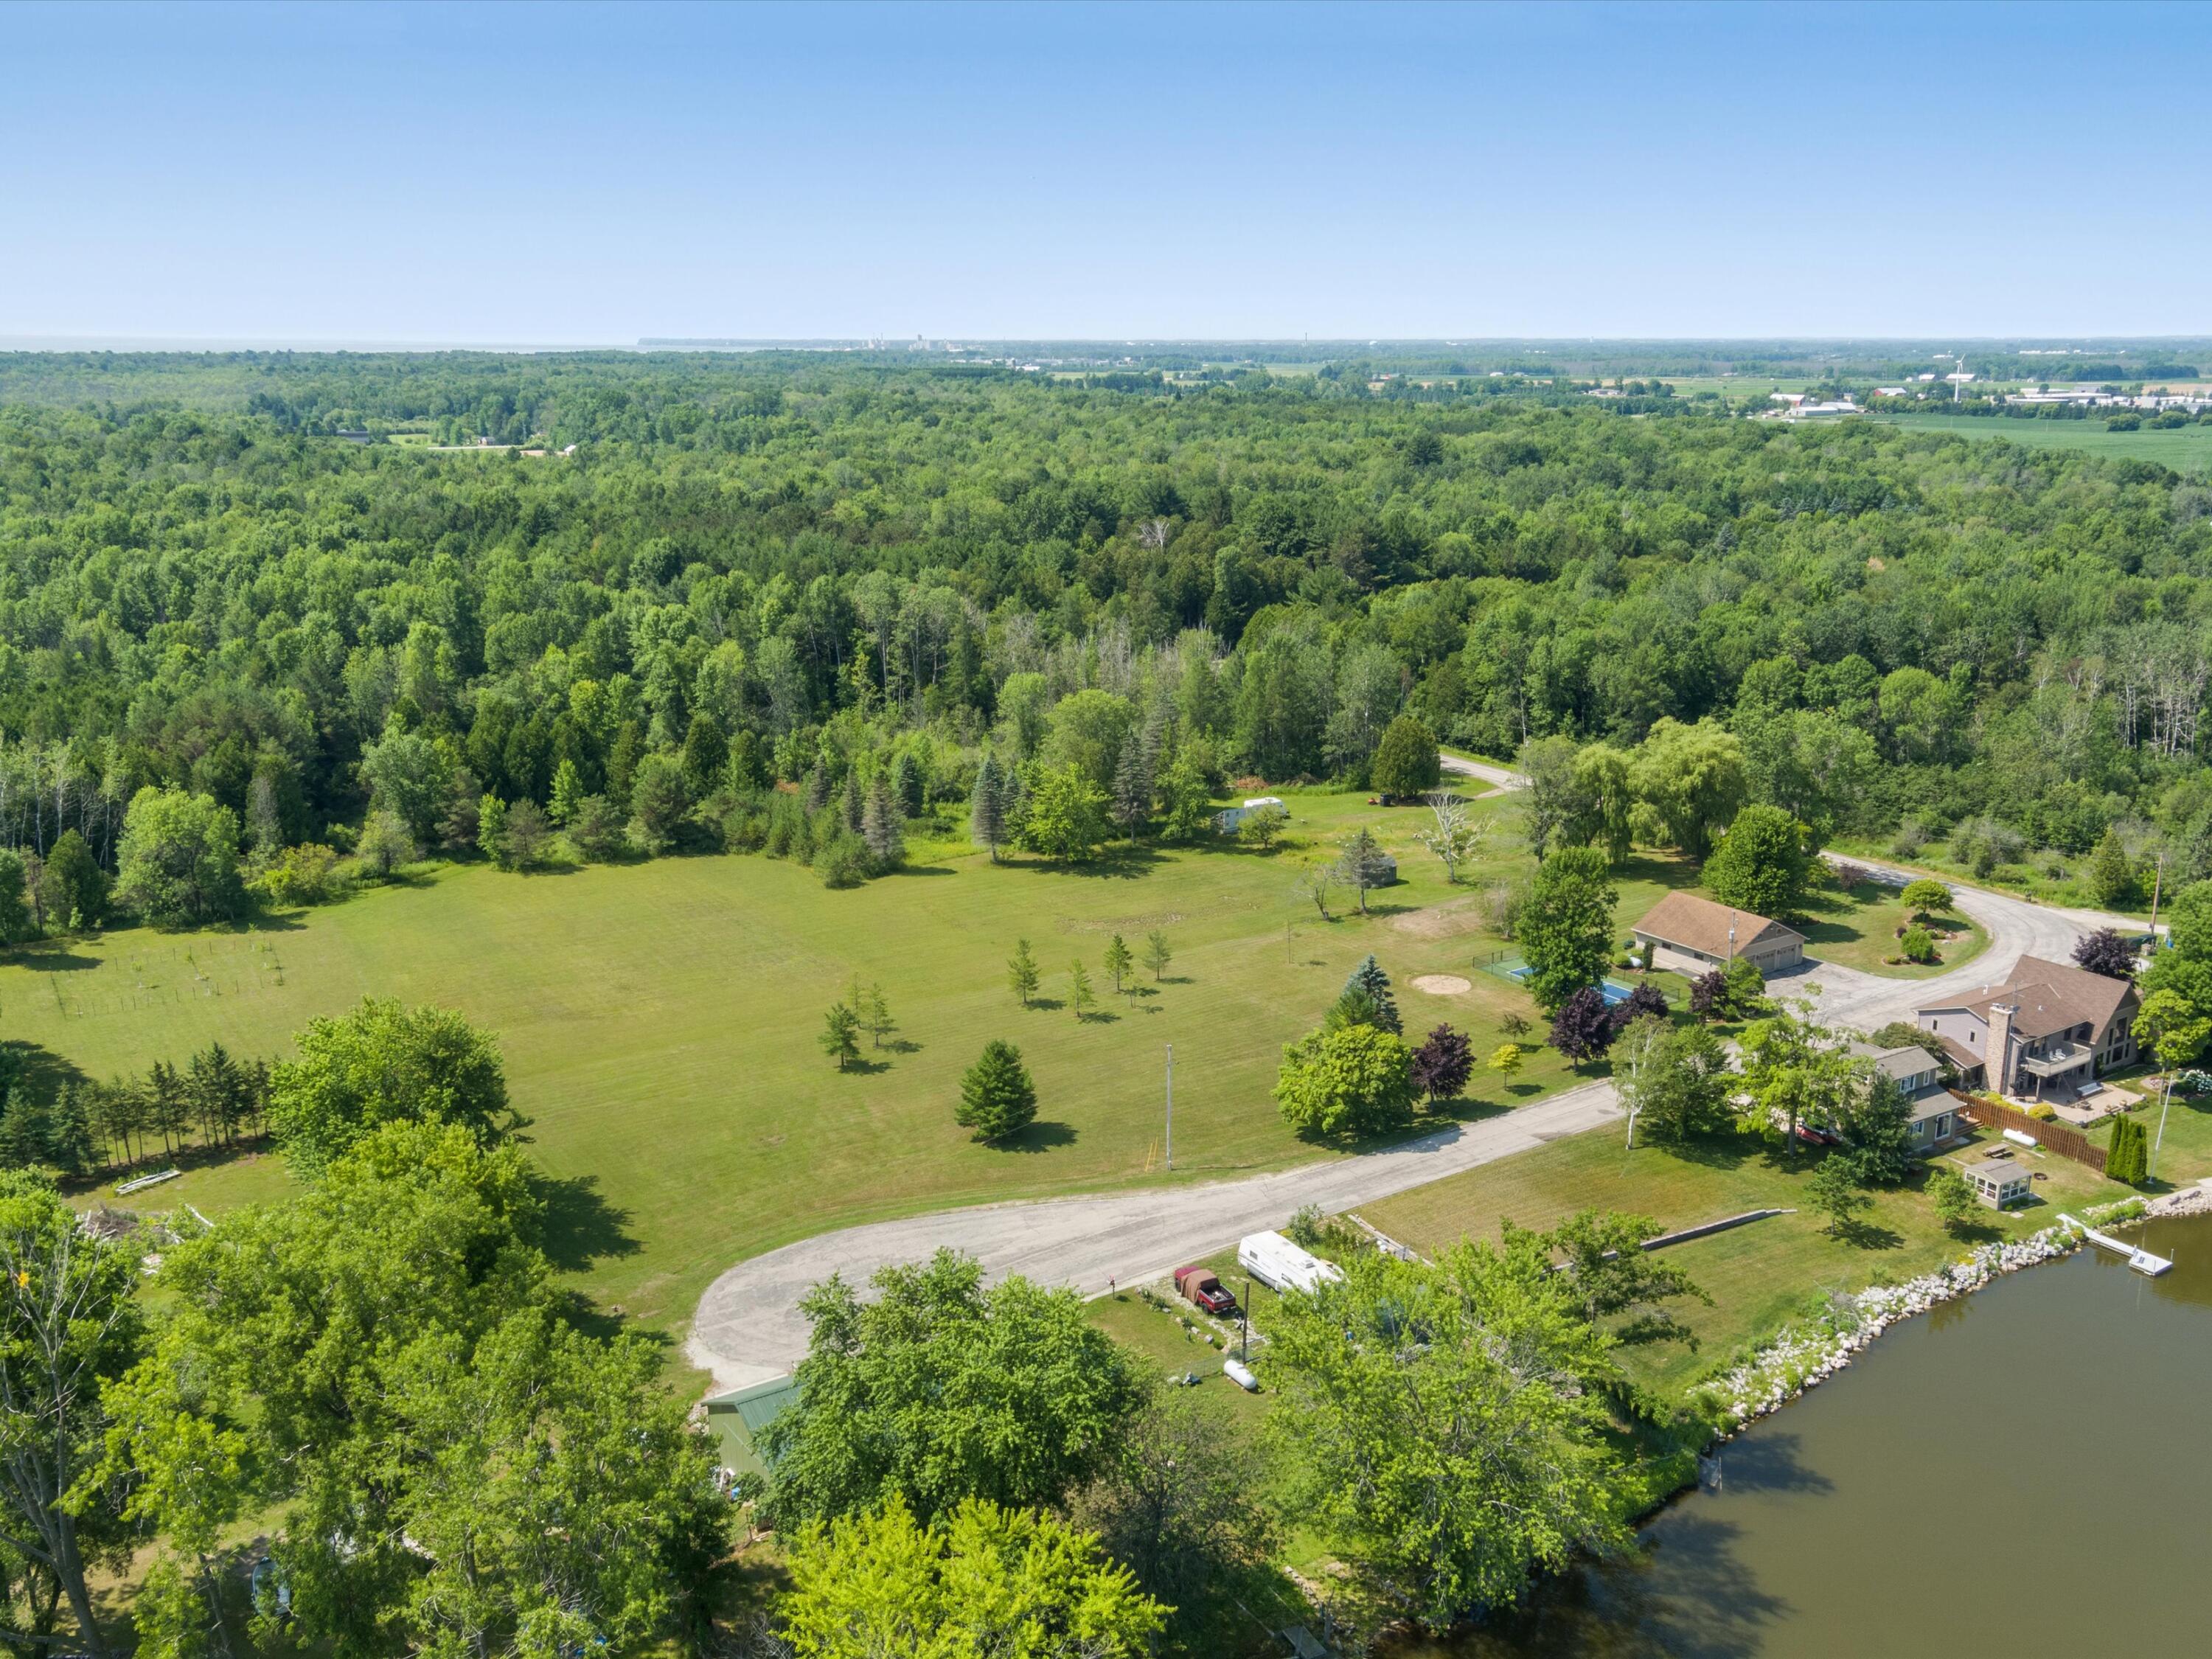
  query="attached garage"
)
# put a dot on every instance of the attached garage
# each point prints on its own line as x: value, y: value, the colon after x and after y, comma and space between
x: 1693, y: 936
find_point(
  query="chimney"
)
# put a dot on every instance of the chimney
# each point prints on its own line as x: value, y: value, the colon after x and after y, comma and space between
x: 1996, y: 1062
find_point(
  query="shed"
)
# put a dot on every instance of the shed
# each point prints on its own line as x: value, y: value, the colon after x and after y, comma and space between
x: 1231, y: 819
x: 1999, y: 1182
x: 736, y: 1417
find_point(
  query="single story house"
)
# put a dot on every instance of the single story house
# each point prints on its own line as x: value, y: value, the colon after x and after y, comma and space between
x: 2049, y: 1029
x: 1932, y: 1109
x: 1230, y: 819
x: 735, y: 1417
x: 1693, y: 936
x: 1999, y: 1182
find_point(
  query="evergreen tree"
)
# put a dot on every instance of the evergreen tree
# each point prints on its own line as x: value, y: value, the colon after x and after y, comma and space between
x: 1370, y: 978
x: 817, y: 789
x: 997, y: 1097
x: 22, y: 1132
x: 1132, y: 785
x: 1363, y: 864
x: 1079, y: 994
x: 840, y: 1034
x: 2112, y: 874
x: 1157, y: 954
x: 882, y: 826
x: 1119, y: 960
x: 851, y: 810
x: 2127, y: 1158
x: 987, y: 815
x: 907, y: 784
x: 1021, y: 972
x: 69, y: 1133
x: 168, y: 1104
x: 79, y: 879
x: 874, y: 1009
x: 706, y: 757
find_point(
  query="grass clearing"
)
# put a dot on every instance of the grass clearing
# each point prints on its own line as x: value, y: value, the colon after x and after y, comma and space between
x: 1858, y: 928
x: 2183, y: 448
x: 660, y: 1021
x: 1759, y: 1275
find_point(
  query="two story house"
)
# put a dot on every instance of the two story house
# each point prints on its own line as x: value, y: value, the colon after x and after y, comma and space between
x: 1931, y: 1109
x: 2048, y: 1030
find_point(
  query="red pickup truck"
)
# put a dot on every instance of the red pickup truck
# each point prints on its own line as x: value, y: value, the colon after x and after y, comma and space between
x: 1199, y: 1284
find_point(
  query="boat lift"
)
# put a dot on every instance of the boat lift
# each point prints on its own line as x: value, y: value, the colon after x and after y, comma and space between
x: 2141, y: 1260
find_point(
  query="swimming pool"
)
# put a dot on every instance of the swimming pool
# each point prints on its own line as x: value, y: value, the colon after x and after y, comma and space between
x: 1612, y: 990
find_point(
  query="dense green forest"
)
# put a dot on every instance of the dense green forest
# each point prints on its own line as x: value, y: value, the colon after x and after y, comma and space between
x: 760, y: 569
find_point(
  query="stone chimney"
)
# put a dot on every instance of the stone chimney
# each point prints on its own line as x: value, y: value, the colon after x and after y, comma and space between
x: 1996, y: 1063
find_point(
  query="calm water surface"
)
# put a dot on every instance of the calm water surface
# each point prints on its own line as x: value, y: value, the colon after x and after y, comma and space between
x: 2028, y: 1471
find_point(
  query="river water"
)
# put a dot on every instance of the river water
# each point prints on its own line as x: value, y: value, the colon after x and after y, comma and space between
x: 2025, y: 1471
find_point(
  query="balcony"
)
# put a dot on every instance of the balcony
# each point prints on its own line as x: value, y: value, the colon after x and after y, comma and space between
x: 2056, y: 1059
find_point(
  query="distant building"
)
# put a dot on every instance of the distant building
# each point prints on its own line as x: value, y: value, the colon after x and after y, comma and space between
x: 1693, y: 935
x: 1231, y: 819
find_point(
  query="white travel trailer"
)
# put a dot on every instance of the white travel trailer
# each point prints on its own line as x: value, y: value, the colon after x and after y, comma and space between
x: 1282, y: 1266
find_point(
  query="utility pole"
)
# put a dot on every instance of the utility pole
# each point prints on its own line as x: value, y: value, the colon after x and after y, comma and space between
x: 2157, y: 881
x: 1171, y: 1140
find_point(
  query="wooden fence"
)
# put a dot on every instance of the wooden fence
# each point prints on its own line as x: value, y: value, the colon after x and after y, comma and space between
x: 2058, y: 1136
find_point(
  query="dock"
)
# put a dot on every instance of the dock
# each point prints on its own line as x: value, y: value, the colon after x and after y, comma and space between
x: 2141, y: 1260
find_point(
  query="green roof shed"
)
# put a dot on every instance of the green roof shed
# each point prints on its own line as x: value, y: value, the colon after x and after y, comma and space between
x: 736, y: 1417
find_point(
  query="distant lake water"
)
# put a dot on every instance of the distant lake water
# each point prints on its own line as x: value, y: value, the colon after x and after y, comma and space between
x: 2026, y: 1470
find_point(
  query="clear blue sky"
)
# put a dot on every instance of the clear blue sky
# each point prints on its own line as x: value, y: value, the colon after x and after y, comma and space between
x: 583, y: 173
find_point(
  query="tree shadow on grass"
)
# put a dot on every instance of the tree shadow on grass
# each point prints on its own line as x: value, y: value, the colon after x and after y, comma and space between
x: 39, y: 1070
x: 901, y: 1046
x: 1867, y: 1236
x: 51, y: 956
x: 1122, y: 863
x: 1049, y: 1004
x: 1040, y: 1136
x: 1099, y: 1017
x: 581, y: 1227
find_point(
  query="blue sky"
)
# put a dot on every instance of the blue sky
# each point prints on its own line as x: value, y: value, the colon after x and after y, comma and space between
x: 589, y: 175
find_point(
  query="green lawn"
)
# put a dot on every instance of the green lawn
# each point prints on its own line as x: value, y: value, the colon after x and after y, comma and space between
x: 2054, y: 878
x: 2184, y: 448
x: 1859, y: 929
x: 658, y: 1022
x: 1759, y: 1275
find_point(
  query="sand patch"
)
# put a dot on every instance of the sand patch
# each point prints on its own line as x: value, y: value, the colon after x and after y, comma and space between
x: 1453, y: 916
x: 1442, y: 985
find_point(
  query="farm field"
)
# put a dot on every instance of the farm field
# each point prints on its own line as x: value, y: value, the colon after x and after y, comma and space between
x: 2183, y: 448
x: 1759, y: 1275
x: 660, y: 1021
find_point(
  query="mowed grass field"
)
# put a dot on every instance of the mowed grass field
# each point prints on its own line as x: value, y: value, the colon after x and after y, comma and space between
x: 659, y: 1024
x: 1759, y: 1275
x: 2183, y: 448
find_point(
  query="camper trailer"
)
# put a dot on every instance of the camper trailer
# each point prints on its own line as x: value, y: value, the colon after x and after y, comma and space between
x: 1281, y: 1266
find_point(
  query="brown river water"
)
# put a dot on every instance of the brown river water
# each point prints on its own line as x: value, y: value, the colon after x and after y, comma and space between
x: 2026, y: 1470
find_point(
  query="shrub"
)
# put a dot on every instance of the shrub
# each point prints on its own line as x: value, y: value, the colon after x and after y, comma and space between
x: 307, y: 874
x: 1918, y: 944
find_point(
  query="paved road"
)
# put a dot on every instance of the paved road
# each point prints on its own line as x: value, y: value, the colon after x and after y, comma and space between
x: 2016, y: 928
x: 748, y: 1327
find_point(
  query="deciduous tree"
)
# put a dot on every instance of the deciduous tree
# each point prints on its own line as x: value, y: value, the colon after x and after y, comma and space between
x: 387, y: 1063
x: 1353, y: 1080
x: 1443, y: 1063
x: 1566, y: 931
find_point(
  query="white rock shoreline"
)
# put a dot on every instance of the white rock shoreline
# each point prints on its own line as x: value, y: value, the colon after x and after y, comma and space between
x: 1804, y: 1355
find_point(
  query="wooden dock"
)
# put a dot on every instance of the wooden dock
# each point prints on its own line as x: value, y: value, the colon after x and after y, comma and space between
x: 2141, y: 1260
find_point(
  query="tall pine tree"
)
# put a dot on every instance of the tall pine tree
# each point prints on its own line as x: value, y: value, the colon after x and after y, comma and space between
x: 882, y: 826
x: 1132, y: 785
x: 1370, y: 978
x: 986, y: 816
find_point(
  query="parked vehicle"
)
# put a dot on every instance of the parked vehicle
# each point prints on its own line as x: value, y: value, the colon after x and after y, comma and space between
x: 1199, y: 1286
x: 1282, y: 1266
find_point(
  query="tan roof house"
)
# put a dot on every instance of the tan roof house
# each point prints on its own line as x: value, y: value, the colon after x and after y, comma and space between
x: 1693, y: 935
x: 2047, y: 1031
x: 1932, y: 1110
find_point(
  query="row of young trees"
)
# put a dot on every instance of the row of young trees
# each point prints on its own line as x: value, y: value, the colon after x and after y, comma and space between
x: 91, y: 1127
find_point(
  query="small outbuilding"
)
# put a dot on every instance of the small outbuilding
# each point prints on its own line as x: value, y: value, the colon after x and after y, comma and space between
x: 735, y: 1417
x: 1693, y: 936
x: 1999, y: 1182
x: 1231, y: 819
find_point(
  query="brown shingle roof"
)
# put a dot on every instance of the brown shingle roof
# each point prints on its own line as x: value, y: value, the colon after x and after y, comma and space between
x: 1702, y: 924
x: 2053, y: 995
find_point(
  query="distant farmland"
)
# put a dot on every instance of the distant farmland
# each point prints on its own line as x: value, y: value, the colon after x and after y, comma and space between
x: 2184, y: 448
